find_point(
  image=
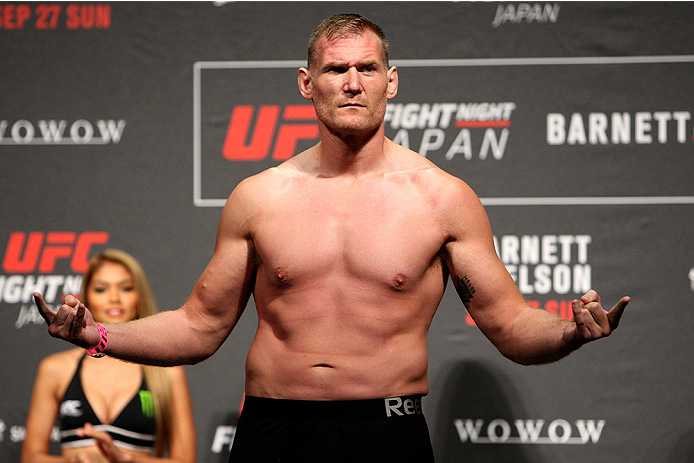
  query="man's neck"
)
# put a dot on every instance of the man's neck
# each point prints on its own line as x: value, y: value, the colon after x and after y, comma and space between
x: 351, y: 154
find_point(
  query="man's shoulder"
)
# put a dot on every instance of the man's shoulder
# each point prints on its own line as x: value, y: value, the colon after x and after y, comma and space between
x: 268, y: 180
x: 448, y: 194
x: 256, y: 192
x: 424, y: 172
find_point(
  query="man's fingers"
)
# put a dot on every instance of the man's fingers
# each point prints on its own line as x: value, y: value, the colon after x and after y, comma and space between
x: 63, y: 316
x: 77, y: 324
x: 44, y: 310
x: 71, y: 300
x: 599, y: 316
x: 590, y: 296
x: 591, y: 320
x: 68, y: 322
x: 615, y: 314
x: 580, y: 318
x: 594, y: 322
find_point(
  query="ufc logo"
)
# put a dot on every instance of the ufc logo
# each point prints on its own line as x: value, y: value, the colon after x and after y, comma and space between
x: 39, y: 251
x: 239, y: 146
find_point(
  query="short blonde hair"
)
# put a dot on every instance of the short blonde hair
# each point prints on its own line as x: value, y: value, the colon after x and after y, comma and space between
x: 344, y: 25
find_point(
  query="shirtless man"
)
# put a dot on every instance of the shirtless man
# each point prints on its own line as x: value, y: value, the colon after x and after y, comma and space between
x: 346, y: 248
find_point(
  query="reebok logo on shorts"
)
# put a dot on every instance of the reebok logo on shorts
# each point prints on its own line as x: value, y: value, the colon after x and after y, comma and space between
x: 397, y: 406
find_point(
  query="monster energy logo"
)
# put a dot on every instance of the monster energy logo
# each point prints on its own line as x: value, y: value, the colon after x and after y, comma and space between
x: 147, y: 401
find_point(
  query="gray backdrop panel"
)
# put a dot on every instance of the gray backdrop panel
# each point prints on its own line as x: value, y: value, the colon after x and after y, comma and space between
x: 571, y: 120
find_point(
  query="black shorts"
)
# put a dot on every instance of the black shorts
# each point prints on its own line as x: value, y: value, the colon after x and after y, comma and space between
x: 349, y: 431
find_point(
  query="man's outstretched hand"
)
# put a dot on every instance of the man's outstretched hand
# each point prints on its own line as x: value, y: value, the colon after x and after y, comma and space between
x: 73, y: 322
x: 591, y: 321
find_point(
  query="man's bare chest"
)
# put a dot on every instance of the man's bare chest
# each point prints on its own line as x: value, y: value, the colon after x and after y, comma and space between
x: 376, y: 234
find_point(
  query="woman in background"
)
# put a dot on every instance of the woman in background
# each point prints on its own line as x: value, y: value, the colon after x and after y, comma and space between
x: 108, y: 410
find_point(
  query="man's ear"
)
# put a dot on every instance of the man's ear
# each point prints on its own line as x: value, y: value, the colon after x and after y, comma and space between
x: 305, y: 83
x: 392, y: 82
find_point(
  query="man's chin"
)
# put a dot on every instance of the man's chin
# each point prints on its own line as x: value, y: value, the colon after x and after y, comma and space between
x: 353, y: 128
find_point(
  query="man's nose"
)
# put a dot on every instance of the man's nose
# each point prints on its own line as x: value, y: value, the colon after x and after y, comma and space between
x: 352, y: 81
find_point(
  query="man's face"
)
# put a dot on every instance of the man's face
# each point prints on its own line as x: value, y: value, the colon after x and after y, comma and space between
x: 350, y: 83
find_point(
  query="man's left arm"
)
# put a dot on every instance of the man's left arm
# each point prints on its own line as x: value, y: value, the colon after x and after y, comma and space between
x: 522, y: 333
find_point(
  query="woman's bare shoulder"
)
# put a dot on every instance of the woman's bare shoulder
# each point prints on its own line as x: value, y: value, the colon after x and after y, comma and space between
x: 58, y: 368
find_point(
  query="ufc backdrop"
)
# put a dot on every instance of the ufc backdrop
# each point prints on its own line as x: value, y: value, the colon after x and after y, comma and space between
x: 127, y: 125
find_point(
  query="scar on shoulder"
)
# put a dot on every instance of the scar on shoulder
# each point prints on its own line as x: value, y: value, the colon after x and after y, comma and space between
x: 464, y: 288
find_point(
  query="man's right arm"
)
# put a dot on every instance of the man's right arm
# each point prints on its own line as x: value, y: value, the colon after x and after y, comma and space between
x: 193, y: 332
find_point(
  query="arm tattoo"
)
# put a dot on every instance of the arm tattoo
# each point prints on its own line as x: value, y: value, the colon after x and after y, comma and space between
x: 464, y: 288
